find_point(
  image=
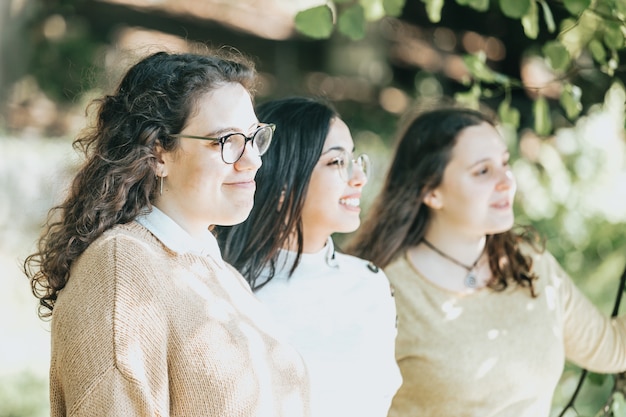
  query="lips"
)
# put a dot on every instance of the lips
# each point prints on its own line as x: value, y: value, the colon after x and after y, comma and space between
x: 504, y: 204
x: 242, y: 183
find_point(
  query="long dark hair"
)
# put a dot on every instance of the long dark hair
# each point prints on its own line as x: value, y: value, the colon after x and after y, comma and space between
x: 398, y: 217
x: 302, y: 125
x: 154, y: 100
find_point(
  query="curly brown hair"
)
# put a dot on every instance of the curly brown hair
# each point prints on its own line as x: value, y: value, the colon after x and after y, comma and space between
x: 118, y: 180
x: 398, y: 217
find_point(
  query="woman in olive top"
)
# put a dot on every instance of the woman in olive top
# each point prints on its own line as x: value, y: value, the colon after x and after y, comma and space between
x: 486, y: 318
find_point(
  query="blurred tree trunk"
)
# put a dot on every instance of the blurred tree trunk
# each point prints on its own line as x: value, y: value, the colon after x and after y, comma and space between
x: 14, y: 42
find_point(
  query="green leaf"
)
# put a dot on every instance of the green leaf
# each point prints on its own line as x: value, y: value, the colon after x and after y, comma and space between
x: 469, y: 98
x: 576, y: 7
x: 316, y: 22
x: 547, y: 16
x: 478, y: 68
x: 613, y: 36
x: 597, y: 51
x: 393, y: 7
x: 530, y: 21
x: 541, y: 112
x: 618, y: 407
x: 557, y: 55
x: 480, y: 5
x: 352, y: 22
x: 433, y: 9
x: 514, y: 9
x: 596, y: 378
x: 508, y: 115
x: 373, y: 9
x: 570, y: 101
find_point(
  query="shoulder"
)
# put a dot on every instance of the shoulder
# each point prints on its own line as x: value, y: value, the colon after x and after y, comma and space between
x: 355, y: 264
x: 546, y: 268
x: 542, y: 259
x: 237, y: 275
x: 123, y: 237
x: 399, y: 266
x: 125, y: 255
x: 366, y: 273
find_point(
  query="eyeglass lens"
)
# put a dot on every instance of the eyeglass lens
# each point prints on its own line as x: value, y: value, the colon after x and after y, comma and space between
x: 362, y: 161
x: 234, y: 145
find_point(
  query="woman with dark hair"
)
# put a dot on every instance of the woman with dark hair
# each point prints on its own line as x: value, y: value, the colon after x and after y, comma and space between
x: 146, y: 318
x: 337, y: 310
x: 486, y: 317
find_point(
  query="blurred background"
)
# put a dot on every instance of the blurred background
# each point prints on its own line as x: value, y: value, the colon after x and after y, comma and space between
x: 564, y: 122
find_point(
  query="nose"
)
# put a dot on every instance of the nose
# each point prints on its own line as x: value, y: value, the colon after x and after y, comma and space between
x: 358, y: 179
x: 249, y: 160
x: 507, y: 179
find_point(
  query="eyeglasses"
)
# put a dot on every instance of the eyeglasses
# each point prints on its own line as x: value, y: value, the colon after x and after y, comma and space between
x: 233, y: 145
x: 345, y: 163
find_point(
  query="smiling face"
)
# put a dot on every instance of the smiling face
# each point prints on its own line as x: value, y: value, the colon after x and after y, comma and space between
x: 332, y: 204
x: 199, y: 189
x: 476, y: 194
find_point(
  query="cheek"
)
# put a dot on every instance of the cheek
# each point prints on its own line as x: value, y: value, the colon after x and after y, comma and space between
x: 322, y: 193
x: 320, y: 184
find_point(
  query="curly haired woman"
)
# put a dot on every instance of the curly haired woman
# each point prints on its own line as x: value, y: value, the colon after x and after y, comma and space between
x: 146, y: 317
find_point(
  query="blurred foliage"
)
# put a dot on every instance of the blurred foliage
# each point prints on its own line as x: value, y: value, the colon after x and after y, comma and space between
x: 23, y: 395
x: 77, y: 51
x: 581, y: 36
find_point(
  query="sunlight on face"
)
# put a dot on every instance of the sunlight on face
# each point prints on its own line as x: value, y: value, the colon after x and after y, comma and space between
x: 478, y: 187
x: 199, y: 188
x: 332, y: 204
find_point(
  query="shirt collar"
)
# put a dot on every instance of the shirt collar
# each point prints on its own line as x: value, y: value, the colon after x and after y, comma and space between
x: 177, y: 239
x: 324, y: 256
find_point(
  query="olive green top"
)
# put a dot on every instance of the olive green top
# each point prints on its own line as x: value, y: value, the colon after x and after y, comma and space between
x: 489, y: 353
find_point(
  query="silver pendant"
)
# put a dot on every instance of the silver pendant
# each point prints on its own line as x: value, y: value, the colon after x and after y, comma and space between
x: 470, y: 280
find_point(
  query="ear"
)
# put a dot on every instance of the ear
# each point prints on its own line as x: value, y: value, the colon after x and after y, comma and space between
x: 433, y: 199
x: 161, y: 165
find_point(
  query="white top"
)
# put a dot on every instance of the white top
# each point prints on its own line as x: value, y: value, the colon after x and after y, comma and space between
x: 339, y: 313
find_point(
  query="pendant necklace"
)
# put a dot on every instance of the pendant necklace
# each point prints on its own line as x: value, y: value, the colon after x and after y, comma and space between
x: 470, y: 278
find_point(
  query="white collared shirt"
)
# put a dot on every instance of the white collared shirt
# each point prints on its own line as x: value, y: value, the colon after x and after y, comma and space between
x: 177, y: 239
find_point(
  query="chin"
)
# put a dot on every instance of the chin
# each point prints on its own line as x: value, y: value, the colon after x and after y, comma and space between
x: 237, y: 217
x: 501, y: 228
x: 349, y: 227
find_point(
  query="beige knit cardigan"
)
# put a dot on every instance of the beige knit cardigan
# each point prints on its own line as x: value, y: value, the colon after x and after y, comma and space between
x: 140, y: 330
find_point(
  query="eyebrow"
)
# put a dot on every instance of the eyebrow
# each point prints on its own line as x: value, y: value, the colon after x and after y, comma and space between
x: 227, y: 130
x: 336, y: 148
x: 504, y: 154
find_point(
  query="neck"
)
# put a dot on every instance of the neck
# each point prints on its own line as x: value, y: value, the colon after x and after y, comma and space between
x: 309, y: 245
x: 197, y: 230
x: 465, y: 250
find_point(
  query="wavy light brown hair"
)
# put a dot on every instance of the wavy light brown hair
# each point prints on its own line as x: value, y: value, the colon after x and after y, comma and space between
x: 398, y: 217
x: 118, y: 180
